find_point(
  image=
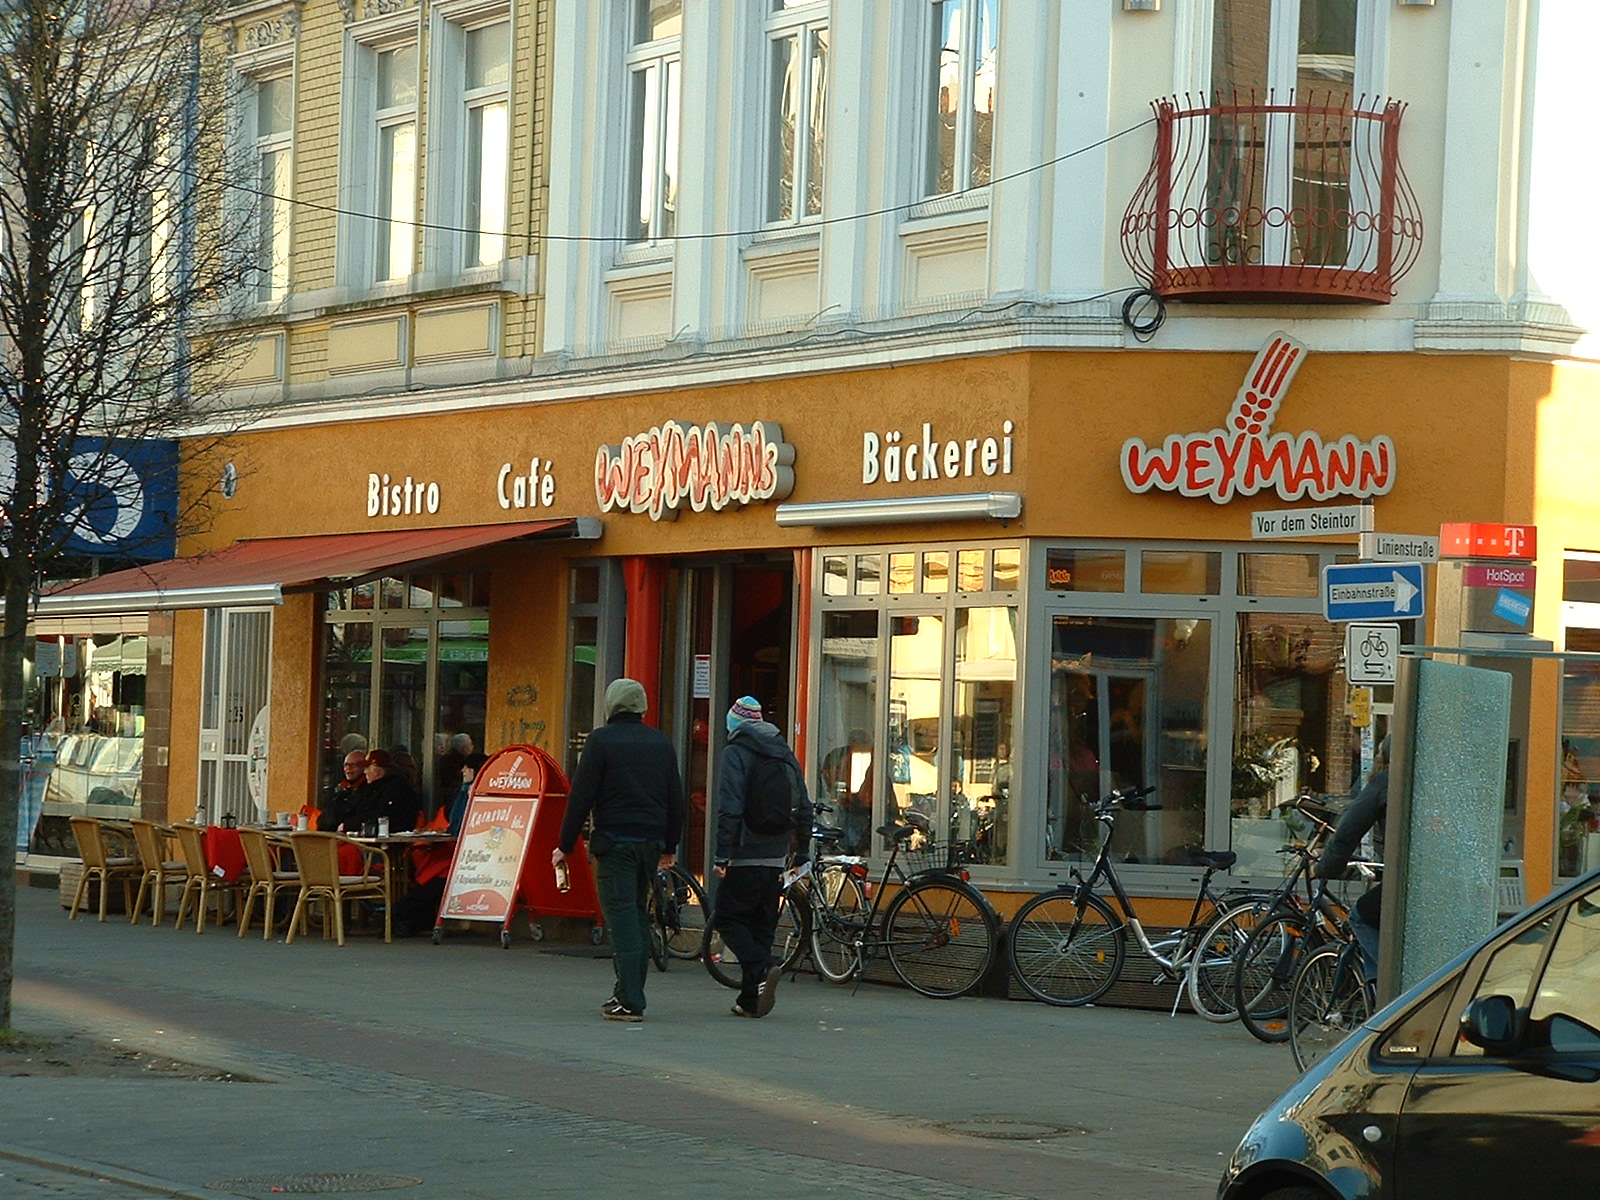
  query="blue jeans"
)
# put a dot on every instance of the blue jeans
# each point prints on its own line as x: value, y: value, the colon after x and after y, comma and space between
x: 1366, y: 936
x: 622, y: 879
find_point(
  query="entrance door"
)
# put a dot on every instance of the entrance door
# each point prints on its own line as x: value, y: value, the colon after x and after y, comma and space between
x: 233, y: 713
x: 728, y: 633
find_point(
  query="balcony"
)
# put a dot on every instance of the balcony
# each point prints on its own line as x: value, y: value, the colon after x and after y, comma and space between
x: 1304, y: 203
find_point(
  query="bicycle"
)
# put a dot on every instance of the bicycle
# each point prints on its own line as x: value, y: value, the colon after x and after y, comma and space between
x: 938, y: 932
x: 1272, y: 954
x: 1068, y: 947
x: 1210, y: 979
x: 677, y: 910
x: 1330, y: 998
x: 793, y: 933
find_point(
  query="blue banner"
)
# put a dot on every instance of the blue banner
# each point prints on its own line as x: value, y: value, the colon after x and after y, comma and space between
x: 128, y: 494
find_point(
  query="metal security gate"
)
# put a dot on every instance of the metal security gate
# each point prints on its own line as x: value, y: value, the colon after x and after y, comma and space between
x: 236, y: 685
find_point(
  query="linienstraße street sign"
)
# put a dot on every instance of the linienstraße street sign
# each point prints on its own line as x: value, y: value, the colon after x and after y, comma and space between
x: 1372, y: 591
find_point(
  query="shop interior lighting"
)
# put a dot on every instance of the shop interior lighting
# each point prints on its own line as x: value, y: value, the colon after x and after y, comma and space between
x: 999, y: 506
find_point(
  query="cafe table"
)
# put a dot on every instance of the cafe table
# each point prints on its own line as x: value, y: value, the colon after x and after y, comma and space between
x: 425, y: 853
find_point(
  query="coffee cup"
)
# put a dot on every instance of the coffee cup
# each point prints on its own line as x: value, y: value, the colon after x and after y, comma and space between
x: 283, y: 819
x: 301, y: 821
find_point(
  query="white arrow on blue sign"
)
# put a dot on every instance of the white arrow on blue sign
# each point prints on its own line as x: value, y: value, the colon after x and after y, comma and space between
x: 1372, y: 591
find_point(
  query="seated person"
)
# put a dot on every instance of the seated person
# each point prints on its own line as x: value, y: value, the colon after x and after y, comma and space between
x: 389, y: 794
x: 343, y: 807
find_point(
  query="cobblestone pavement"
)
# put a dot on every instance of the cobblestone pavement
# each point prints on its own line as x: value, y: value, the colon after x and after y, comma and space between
x: 465, y: 1071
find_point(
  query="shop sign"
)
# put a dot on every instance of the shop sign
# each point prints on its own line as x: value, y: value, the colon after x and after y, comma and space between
x: 1489, y: 575
x: 1245, y: 456
x: 1481, y: 540
x: 534, y: 489
x: 396, y: 497
x: 123, y: 494
x: 892, y: 457
x: 704, y: 466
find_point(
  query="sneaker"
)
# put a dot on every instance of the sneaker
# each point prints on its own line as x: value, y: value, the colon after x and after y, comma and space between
x: 768, y: 995
x: 615, y: 1010
x: 739, y: 1010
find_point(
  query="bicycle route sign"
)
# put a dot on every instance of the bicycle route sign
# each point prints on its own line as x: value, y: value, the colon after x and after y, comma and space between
x: 1371, y: 652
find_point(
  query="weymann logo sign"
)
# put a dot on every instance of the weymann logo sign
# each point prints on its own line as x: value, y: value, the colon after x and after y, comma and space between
x: 1246, y: 456
x: 704, y: 466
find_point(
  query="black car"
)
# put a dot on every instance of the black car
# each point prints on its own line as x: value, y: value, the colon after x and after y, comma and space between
x: 1482, y: 1081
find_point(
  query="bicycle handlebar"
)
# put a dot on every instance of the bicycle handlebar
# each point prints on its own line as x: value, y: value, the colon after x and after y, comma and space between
x: 1131, y: 799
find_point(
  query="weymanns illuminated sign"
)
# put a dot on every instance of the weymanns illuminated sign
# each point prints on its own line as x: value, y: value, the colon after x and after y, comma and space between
x: 704, y: 466
x: 1246, y: 456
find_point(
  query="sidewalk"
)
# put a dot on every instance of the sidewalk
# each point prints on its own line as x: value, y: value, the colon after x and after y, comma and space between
x: 474, y: 1071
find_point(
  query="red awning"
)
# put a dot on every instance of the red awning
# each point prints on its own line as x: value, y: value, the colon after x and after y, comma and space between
x: 258, y: 570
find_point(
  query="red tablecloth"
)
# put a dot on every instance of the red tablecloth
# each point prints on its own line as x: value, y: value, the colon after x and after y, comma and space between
x: 224, y: 853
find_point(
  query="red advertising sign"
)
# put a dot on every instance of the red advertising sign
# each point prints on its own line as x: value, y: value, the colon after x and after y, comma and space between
x: 1483, y: 575
x: 489, y: 857
x: 1479, y: 540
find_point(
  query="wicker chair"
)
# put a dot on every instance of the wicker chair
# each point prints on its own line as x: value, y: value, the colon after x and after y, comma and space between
x: 199, y: 881
x: 150, y: 840
x: 267, y: 879
x: 317, y: 855
x: 100, y: 865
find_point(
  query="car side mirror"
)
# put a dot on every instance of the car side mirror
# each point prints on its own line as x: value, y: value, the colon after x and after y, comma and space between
x: 1491, y: 1024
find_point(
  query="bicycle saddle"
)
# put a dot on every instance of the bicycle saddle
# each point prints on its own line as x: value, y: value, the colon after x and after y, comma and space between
x: 896, y: 833
x: 1217, y: 860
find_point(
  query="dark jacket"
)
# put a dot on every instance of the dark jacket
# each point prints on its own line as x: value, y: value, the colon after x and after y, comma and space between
x: 736, y: 841
x: 344, y: 805
x: 1364, y: 812
x: 392, y: 796
x: 628, y: 778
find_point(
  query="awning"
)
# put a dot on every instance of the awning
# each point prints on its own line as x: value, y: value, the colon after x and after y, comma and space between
x: 261, y: 570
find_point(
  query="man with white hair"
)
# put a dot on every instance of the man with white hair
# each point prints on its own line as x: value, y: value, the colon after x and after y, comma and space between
x: 628, y: 779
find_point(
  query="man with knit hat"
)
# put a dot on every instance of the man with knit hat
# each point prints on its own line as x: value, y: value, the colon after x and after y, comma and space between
x: 758, y: 774
x: 628, y: 779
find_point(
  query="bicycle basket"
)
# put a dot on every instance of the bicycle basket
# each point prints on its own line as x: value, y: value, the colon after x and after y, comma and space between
x: 931, y: 856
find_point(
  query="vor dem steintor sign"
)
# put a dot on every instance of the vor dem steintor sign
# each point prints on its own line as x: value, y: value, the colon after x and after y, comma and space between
x: 1246, y: 455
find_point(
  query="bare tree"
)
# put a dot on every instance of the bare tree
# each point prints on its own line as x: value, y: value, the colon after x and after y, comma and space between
x: 121, y: 272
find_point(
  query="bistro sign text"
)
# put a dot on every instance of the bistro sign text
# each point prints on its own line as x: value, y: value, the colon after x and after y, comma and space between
x: 704, y: 466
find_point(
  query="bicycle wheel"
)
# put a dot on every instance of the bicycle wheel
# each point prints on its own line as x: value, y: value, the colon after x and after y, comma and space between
x: 787, y: 944
x: 687, y: 913
x: 1328, y: 1000
x: 1265, y: 971
x: 940, y: 937
x: 657, y: 906
x: 1209, y: 980
x: 839, y: 916
x: 1063, y: 952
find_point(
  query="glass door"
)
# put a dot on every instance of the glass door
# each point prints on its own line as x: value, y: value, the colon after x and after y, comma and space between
x: 236, y: 685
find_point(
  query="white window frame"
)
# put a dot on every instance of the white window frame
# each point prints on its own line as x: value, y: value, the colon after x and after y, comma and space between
x: 664, y: 55
x: 361, y: 122
x: 968, y: 67
x: 802, y: 23
x: 447, y: 241
x: 272, y: 285
x: 251, y: 68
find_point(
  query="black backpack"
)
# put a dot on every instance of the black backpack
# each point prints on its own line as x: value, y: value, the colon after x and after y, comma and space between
x: 773, y: 794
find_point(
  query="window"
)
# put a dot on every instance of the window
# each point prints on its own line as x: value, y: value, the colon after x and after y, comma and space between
x: 406, y: 668
x: 395, y: 170
x: 961, y: 95
x: 922, y: 676
x: 797, y: 34
x: 468, y: 135
x: 274, y: 158
x: 1128, y: 703
x: 1282, y: 52
x: 379, y: 170
x: 655, y: 84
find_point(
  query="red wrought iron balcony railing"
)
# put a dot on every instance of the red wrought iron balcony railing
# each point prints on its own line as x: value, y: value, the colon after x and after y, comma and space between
x: 1297, y: 202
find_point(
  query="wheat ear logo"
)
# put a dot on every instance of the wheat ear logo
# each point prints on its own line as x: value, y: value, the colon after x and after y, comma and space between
x: 1245, y: 456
